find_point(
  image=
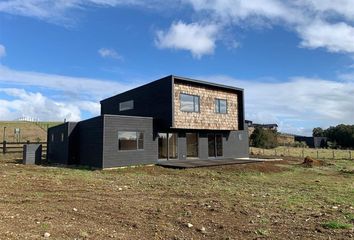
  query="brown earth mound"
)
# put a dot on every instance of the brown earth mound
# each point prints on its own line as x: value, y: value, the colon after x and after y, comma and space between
x: 311, y: 162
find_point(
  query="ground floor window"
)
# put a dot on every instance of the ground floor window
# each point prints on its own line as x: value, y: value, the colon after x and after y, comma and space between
x: 167, y: 145
x: 192, y: 144
x: 130, y: 140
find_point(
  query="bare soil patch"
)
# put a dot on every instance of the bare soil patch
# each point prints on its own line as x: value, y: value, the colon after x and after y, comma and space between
x: 269, y: 200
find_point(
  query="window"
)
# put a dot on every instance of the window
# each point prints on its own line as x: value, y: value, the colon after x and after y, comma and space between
x: 126, y: 105
x: 62, y: 137
x: 129, y: 140
x: 220, y: 106
x: 52, y: 137
x: 189, y: 103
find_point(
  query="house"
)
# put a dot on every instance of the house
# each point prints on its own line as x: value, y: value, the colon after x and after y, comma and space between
x: 252, y: 126
x: 313, y: 142
x: 173, y: 118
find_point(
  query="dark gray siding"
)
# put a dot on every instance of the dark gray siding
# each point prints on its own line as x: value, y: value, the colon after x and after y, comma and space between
x: 236, y: 144
x: 150, y: 100
x: 91, y: 142
x: 112, y: 157
x: 62, y: 152
x: 57, y: 150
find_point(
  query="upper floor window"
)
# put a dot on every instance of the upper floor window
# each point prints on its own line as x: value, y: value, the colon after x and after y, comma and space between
x: 52, y: 137
x: 127, y: 105
x: 129, y: 140
x: 220, y: 106
x: 189, y: 103
x: 62, y: 137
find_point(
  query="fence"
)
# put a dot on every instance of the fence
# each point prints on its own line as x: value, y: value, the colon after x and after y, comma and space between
x: 303, y: 152
x: 17, y: 147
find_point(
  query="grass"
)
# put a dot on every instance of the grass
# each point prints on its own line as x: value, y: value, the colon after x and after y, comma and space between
x: 29, y: 130
x: 246, y: 201
x: 303, y: 152
x: 337, y: 225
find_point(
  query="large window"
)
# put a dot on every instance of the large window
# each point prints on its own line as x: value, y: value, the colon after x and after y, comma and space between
x: 130, y: 140
x: 189, y: 103
x: 123, y: 106
x: 220, y: 106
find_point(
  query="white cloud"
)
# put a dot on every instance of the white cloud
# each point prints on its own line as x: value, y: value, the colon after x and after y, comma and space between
x: 109, y: 53
x: 297, y: 103
x: 85, y: 88
x: 56, y: 97
x: 41, y: 107
x: 304, y: 17
x: 2, y: 51
x: 197, y: 38
x: 338, y: 37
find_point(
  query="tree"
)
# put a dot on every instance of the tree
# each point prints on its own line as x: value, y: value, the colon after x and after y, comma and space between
x: 318, y: 132
x: 341, y: 136
x: 263, y: 138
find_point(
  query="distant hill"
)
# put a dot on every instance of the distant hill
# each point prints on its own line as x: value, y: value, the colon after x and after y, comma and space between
x: 29, y: 131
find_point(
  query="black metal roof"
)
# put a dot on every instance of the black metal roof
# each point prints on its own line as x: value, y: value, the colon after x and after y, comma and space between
x: 179, y: 78
x: 206, y: 83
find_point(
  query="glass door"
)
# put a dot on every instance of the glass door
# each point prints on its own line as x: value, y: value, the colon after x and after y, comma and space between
x: 167, y: 144
x: 192, y: 145
x: 215, y: 148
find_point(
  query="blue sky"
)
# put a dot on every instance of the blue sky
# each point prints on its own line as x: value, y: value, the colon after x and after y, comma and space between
x: 293, y: 58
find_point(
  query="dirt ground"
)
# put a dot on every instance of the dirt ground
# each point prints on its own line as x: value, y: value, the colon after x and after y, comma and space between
x: 270, y: 200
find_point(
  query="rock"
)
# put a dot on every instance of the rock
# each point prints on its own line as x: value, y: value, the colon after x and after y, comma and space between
x: 189, y: 225
x: 46, y: 235
x: 202, y: 230
x: 84, y: 234
x: 120, y: 189
x: 75, y: 209
x: 335, y: 207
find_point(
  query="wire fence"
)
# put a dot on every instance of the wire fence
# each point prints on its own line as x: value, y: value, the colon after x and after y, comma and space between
x: 303, y: 152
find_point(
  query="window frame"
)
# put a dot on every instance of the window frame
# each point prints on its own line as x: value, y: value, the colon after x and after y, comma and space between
x: 217, y: 106
x: 138, y: 141
x: 194, y: 102
x: 130, y: 107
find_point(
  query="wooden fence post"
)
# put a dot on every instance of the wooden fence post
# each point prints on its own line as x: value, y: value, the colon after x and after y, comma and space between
x: 333, y: 153
x: 275, y: 151
x: 350, y: 155
x: 317, y: 154
x: 4, y: 147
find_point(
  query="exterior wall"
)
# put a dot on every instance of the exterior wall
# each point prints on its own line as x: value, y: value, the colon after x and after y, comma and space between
x: 150, y: 100
x: 112, y: 157
x: 62, y: 152
x: 90, y: 144
x: 284, y: 139
x: 235, y: 144
x: 206, y: 118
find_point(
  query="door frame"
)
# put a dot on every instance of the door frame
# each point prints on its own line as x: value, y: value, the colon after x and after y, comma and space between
x: 168, y: 146
x: 214, y: 135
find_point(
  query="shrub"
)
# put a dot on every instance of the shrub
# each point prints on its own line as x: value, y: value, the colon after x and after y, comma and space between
x: 263, y: 138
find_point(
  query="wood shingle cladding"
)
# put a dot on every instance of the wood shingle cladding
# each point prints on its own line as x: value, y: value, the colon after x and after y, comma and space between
x: 206, y: 117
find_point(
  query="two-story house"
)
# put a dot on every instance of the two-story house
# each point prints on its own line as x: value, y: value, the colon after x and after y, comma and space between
x: 168, y: 119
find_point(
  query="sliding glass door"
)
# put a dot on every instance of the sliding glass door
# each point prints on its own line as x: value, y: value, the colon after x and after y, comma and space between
x: 215, y: 148
x: 167, y: 145
x: 192, y: 145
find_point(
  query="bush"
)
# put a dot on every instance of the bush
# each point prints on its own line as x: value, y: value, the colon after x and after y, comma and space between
x: 263, y: 138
